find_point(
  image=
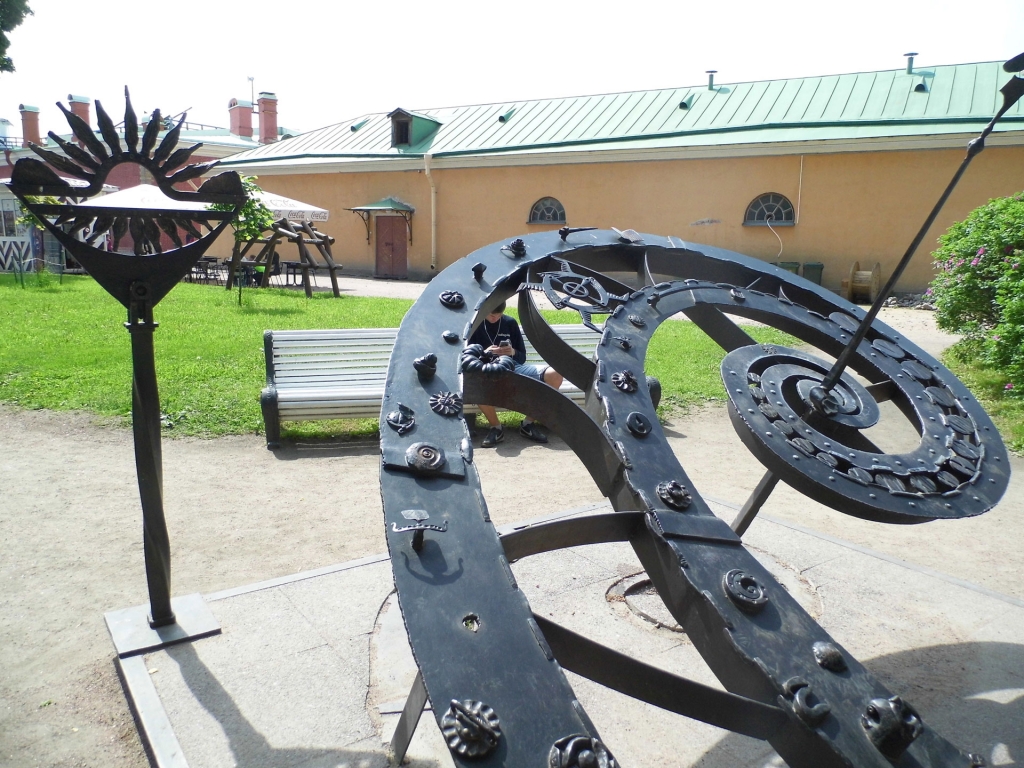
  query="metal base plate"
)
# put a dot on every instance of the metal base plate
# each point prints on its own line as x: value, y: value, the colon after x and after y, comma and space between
x: 129, y: 627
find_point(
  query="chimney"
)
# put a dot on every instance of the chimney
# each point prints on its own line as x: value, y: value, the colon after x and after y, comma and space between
x: 29, y: 125
x: 241, y: 117
x: 80, y: 106
x: 910, y: 62
x: 268, y: 117
x: 711, y: 78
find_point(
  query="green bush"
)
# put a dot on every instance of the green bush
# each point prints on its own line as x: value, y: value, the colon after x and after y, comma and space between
x: 978, y: 290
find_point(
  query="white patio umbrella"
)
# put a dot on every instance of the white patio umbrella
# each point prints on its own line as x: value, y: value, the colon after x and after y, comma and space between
x: 149, y: 196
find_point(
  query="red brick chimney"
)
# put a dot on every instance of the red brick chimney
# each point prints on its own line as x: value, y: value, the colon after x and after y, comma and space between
x: 268, y: 117
x: 80, y: 106
x: 29, y: 125
x: 241, y: 117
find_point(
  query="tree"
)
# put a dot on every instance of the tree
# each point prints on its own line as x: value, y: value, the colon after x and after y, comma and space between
x: 12, y: 13
x: 253, y: 218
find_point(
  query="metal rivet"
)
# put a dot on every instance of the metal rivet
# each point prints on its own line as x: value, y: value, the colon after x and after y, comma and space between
x: 579, y: 751
x: 626, y: 381
x: 891, y: 725
x: 674, y: 494
x: 745, y: 591
x: 425, y: 457
x: 452, y: 299
x: 401, y: 420
x: 638, y: 424
x: 426, y: 366
x: 828, y: 656
x: 471, y: 728
x: 445, y: 403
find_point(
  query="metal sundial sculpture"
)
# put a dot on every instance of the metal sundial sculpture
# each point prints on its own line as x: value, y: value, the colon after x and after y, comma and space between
x: 475, y: 639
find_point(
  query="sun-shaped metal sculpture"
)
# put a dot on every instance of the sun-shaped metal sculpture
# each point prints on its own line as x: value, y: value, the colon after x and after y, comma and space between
x: 139, y: 280
x: 190, y: 227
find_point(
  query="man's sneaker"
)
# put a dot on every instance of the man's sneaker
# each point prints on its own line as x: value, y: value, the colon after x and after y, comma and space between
x: 532, y: 432
x: 494, y: 436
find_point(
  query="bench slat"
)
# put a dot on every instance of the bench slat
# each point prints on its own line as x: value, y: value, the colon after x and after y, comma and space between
x: 341, y: 373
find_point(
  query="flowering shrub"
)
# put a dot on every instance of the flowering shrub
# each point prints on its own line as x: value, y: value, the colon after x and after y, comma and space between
x: 978, y: 290
x: 1005, y: 344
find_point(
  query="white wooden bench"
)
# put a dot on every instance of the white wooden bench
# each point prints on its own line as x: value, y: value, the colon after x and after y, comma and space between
x: 314, y: 375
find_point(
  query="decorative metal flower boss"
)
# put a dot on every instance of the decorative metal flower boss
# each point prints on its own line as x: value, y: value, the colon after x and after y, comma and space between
x: 475, y: 639
x: 164, y: 246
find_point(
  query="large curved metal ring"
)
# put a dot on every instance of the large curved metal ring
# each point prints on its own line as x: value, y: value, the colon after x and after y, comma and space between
x: 687, y: 551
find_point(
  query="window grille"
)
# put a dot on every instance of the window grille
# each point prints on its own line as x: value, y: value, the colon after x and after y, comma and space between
x: 547, y: 210
x: 771, y: 208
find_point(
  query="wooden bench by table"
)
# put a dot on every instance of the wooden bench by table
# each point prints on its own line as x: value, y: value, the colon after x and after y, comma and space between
x: 339, y: 374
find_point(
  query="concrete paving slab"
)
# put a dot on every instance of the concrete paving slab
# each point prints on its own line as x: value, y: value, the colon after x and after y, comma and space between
x: 302, y: 667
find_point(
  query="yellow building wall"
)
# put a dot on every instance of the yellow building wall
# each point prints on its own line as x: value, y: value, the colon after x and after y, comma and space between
x: 854, y: 206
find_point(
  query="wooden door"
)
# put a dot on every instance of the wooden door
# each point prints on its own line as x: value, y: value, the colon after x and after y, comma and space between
x: 391, y: 247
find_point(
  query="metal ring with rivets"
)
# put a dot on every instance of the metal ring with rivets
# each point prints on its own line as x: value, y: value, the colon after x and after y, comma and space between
x: 748, y: 642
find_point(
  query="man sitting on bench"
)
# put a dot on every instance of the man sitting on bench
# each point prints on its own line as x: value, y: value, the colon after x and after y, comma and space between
x: 499, y: 335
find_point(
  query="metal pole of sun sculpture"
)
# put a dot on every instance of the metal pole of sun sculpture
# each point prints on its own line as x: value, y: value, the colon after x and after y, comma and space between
x: 492, y: 668
x: 139, y: 280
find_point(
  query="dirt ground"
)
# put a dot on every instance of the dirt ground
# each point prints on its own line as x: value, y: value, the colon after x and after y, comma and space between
x: 71, y: 543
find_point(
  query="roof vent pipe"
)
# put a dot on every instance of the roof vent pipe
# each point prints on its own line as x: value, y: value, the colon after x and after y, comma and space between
x: 711, y: 79
x: 910, y: 62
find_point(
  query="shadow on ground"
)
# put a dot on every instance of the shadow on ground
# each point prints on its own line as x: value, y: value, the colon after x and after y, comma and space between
x: 970, y: 693
x: 250, y: 747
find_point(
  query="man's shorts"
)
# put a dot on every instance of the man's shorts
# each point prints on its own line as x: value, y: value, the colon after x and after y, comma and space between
x: 533, y: 371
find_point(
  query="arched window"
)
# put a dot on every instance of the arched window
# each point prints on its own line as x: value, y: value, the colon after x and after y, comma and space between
x: 770, y: 208
x: 547, y: 210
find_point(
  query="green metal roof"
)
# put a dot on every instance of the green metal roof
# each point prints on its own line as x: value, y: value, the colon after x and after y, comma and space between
x: 932, y: 100
x: 387, y: 204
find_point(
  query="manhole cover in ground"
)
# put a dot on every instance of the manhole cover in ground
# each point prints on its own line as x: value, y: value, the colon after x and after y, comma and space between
x: 639, y: 595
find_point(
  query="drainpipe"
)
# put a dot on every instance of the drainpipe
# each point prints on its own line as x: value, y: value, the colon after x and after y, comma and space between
x: 433, y: 212
x: 799, y: 191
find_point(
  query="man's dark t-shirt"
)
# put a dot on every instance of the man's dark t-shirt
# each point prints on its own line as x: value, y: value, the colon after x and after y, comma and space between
x: 489, y: 334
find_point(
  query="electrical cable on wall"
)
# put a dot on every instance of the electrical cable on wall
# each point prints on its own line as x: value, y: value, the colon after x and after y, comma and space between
x: 768, y: 221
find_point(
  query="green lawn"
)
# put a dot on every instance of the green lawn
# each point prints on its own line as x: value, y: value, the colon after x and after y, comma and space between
x: 64, y: 347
